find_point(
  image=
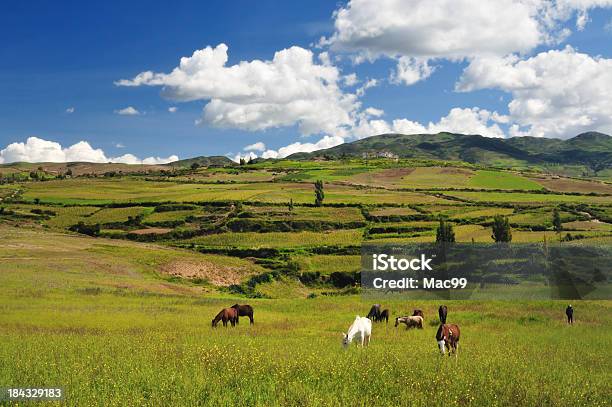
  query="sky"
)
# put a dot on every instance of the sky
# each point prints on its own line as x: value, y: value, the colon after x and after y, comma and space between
x: 141, y: 82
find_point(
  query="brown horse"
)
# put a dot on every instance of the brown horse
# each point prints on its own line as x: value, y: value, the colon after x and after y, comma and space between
x: 244, y: 311
x: 384, y: 316
x: 225, y: 315
x: 418, y: 313
x: 448, y: 336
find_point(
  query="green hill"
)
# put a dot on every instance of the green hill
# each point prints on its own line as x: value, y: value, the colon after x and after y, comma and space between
x: 203, y: 161
x: 593, y: 150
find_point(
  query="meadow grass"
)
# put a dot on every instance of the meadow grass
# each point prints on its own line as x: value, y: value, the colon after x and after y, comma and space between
x: 524, y: 197
x: 282, y: 239
x: 501, y: 180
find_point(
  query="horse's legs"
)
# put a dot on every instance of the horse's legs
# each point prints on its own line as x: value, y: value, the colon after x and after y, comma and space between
x: 251, y: 319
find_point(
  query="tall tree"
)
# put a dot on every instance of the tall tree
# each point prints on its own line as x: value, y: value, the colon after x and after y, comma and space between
x: 445, y: 232
x: 557, y: 221
x: 501, y: 229
x: 319, y: 194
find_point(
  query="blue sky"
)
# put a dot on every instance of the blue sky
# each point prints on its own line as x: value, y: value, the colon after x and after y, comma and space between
x: 59, y: 56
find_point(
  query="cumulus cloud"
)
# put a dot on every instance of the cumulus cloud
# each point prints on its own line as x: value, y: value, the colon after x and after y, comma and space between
x: 298, y: 147
x: 172, y: 109
x: 70, y: 110
x: 411, y: 70
x: 450, y: 29
x: 259, y: 146
x: 558, y: 93
x: 256, y: 95
x: 127, y: 111
x: 35, y: 149
x: 458, y: 120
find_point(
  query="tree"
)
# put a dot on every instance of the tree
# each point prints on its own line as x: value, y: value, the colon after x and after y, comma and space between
x: 319, y: 194
x: 557, y: 221
x: 291, y: 205
x: 501, y: 229
x: 242, y: 161
x: 445, y: 233
x: 195, y: 166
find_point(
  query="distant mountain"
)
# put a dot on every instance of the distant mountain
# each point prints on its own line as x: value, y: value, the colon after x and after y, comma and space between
x: 590, y: 149
x: 203, y: 161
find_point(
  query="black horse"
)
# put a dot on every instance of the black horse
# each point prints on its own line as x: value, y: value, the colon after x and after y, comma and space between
x: 569, y: 311
x: 244, y: 311
x: 374, y: 313
x: 442, y: 313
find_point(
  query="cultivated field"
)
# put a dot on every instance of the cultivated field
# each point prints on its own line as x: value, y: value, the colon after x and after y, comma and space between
x: 110, y: 283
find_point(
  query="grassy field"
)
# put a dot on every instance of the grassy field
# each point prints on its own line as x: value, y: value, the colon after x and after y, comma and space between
x: 126, y: 321
x: 82, y: 315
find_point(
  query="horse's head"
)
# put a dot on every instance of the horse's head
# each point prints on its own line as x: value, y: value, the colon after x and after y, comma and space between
x: 345, y: 340
x: 397, y: 321
x: 213, y: 323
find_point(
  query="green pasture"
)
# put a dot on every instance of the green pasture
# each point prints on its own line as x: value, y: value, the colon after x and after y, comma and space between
x: 255, y: 240
x: 501, y: 180
x: 98, y: 319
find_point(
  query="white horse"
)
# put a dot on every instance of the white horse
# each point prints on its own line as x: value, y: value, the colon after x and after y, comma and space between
x: 360, y: 330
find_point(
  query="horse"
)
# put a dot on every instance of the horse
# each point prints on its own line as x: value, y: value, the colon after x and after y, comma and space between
x: 244, y: 311
x: 374, y: 313
x: 569, y: 311
x: 442, y: 313
x: 448, y: 337
x: 418, y: 312
x: 225, y: 315
x: 414, y: 321
x: 360, y: 329
x: 384, y: 315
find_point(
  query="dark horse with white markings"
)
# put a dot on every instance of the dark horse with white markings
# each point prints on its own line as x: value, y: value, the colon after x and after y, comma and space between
x: 244, y: 310
x: 442, y: 313
x: 448, y: 337
x: 226, y: 315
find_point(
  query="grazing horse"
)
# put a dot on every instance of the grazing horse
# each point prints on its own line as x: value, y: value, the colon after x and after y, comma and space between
x: 448, y: 337
x: 384, y: 315
x: 360, y: 330
x: 244, y: 311
x: 569, y: 311
x: 225, y: 315
x: 415, y: 321
x: 418, y: 312
x: 442, y: 312
x: 374, y: 313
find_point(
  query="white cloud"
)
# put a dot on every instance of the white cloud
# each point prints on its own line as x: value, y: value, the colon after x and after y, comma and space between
x: 298, y: 147
x: 455, y: 30
x: 452, y: 29
x: 370, y: 83
x: 127, y: 111
x: 248, y: 156
x: 119, y: 145
x: 172, y: 109
x: 259, y: 146
x: 70, y: 110
x: 411, y: 70
x: 458, y: 120
x: 558, y: 93
x: 256, y: 95
x: 35, y: 149
x: 350, y: 79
